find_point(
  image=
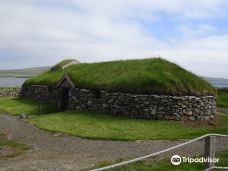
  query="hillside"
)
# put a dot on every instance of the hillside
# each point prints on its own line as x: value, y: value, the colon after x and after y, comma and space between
x: 148, y: 76
x: 27, y: 72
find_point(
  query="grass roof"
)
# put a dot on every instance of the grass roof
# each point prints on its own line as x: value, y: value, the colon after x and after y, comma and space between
x: 146, y: 76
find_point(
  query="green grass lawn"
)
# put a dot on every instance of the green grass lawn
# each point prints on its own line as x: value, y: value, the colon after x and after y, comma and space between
x: 222, y: 100
x: 165, y: 164
x: 153, y: 165
x: 154, y: 75
x: 14, y: 148
x: 13, y: 105
x: 101, y: 126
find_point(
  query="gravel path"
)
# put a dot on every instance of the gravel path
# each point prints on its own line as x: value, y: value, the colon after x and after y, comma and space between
x: 58, y: 152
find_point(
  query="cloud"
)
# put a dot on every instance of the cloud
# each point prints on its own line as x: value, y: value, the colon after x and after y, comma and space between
x: 43, y: 32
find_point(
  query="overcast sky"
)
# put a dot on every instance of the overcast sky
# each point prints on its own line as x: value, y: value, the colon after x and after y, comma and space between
x: 193, y: 33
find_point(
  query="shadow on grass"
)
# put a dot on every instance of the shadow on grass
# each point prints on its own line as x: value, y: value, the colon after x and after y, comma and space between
x: 12, y: 105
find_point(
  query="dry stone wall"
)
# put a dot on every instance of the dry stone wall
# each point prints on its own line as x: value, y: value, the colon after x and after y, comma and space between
x: 144, y: 106
x: 138, y: 106
x: 42, y: 93
x: 14, y: 92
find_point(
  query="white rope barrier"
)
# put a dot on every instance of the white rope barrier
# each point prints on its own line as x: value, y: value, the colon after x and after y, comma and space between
x: 157, y: 153
x: 222, y: 168
x: 209, y: 169
x: 216, y: 167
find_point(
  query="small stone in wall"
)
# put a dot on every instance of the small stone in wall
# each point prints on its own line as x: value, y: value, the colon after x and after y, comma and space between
x: 178, y: 117
x: 188, y: 112
x: 153, y: 111
x: 192, y: 118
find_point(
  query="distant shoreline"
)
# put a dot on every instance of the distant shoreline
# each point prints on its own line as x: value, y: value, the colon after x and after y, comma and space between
x: 14, y: 76
x: 217, y: 83
x: 22, y: 73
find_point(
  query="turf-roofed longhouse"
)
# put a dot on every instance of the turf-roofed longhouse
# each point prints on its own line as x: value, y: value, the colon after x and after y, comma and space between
x: 149, y: 88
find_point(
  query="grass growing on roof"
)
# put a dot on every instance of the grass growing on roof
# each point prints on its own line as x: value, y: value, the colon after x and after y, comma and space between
x: 101, y: 126
x: 153, y: 75
x: 14, y: 105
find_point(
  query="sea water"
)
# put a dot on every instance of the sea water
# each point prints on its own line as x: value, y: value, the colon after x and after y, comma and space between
x: 11, y: 81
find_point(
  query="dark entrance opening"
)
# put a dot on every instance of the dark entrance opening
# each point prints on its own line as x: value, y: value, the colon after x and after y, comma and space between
x: 65, y: 84
x: 65, y: 98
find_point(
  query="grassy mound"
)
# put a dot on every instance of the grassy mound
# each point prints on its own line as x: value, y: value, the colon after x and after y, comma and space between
x: 147, y: 76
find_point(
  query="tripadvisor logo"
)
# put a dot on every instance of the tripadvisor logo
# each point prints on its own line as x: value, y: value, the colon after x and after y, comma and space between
x: 176, y: 160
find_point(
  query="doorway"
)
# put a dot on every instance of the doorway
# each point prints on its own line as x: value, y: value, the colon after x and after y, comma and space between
x: 65, y: 98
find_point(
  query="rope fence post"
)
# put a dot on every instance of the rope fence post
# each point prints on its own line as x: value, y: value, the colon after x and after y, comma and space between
x: 39, y: 108
x: 209, y: 150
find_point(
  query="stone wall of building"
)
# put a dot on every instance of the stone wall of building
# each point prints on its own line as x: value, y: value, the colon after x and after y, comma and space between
x: 138, y: 106
x: 42, y: 93
x: 144, y: 106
